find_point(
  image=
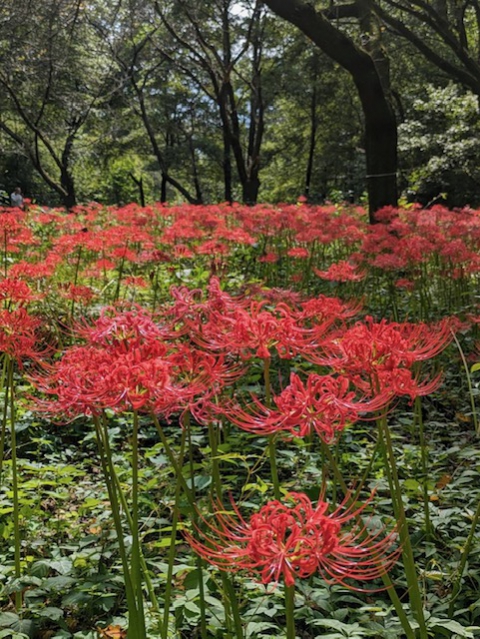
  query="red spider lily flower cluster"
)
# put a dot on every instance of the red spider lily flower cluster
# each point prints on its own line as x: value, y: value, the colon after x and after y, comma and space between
x: 296, y: 539
x: 324, y: 404
x: 128, y: 364
x: 343, y: 271
x: 248, y: 328
x: 14, y: 291
x: 19, y: 334
x: 378, y: 356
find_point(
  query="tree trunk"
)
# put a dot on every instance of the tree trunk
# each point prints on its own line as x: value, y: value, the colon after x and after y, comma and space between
x: 141, y: 190
x: 69, y: 197
x: 227, y: 167
x: 380, y: 121
x: 250, y: 190
x: 380, y: 145
x: 313, y: 138
x: 163, y: 189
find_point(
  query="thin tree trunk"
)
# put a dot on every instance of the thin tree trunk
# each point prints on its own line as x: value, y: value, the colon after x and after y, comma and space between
x: 163, y: 189
x: 313, y: 139
x: 141, y: 191
x: 227, y: 167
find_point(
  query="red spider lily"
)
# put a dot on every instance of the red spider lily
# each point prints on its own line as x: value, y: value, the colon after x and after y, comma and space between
x: 88, y: 380
x: 126, y: 330
x: 405, y: 283
x: 15, y: 291
x: 212, y: 247
x: 342, y: 271
x: 30, y: 271
x: 77, y: 293
x: 317, y: 310
x: 207, y: 371
x: 390, y: 343
x: 378, y: 356
x: 324, y: 404
x: 136, y: 281
x: 10, y: 224
x: 18, y: 334
x: 298, y: 252
x: 180, y: 251
x: 201, y: 377
x: 127, y: 365
x: 254, y: 331
x: 296, y: 540
x: 269, y: 258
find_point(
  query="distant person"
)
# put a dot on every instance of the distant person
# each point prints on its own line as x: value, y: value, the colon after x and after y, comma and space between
x: 16, y: 198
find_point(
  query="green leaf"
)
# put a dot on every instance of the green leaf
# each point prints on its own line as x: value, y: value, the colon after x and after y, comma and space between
x: 75, y: 598
x: 58, y: 583
x: 63, y: 566
x: 8, y: 618
x: 40, y: 568
x: 7, y: 634
x: 51, y: 613
x: 253, y: 628
x: 25, y: 626
x: 411, y: 484
x: 453, y: 626
x: 202, y: 481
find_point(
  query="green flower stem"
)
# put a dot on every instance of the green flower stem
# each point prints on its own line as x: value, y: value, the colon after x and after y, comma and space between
x: 171, y: 457
x: 463, y: 561
x: 229, y: 596
x: 146, y: 575
x: 387, y: 582
x: 232, y: 599
x: 216, y: 479
x: 290, y: 611
x: 407, y: 551
x: 119, y: 280
x: 75, y: 280
x: 155, y: 290
x: 5, y: 253
x: 136, y: 569
x: 272, y: 453
x: 273, y: 466
x: 143, y: 564
x: 16, y: 505
x: 266, y: 381
x: 5, y: 413
x: 308, y: 269
x: 172, y: 550
x: 424, y: 461
x: 201, y: 588
x: 108, y: 474
x: 469, y: 382
x: 227, y: 632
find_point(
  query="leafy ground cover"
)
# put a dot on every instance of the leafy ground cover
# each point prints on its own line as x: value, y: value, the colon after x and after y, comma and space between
x: 239, y: 422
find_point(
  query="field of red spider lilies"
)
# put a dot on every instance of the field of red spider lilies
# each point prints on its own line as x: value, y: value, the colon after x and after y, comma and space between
x: 239, y: 422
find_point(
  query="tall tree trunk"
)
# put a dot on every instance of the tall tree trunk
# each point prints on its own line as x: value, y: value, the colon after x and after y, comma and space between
x: 380, y: 149
x: 227, y: 166
x: 226, y: 62
x: 380, y: 121
x: 196, y: 178
x: 313, y: 136
x: 163, y: 189
x: 141, y: 190
x: 68, y: 188
x: 250, y: 190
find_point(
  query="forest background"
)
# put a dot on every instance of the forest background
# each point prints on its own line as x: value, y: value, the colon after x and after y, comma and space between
x: 144, y: 100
